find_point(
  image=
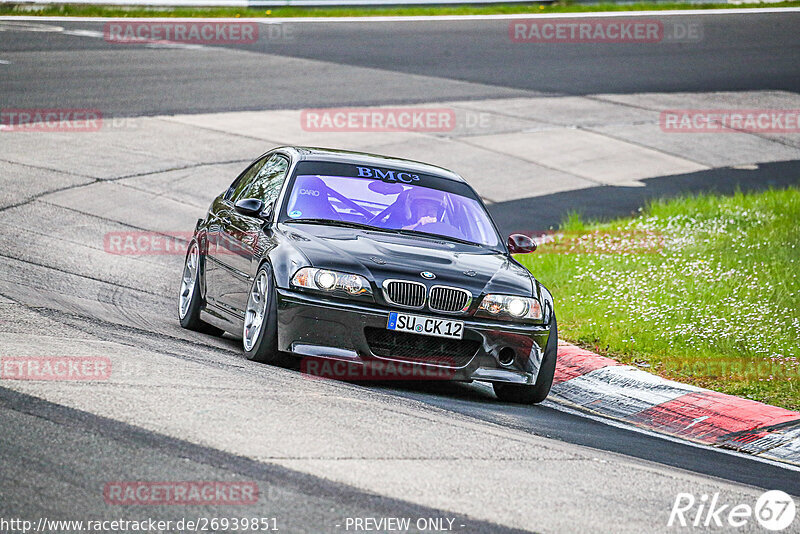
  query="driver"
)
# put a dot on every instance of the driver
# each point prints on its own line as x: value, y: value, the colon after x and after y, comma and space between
x: 423, y: 206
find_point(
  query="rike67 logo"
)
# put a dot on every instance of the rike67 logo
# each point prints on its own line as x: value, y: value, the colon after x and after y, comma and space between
x: 774, y: 511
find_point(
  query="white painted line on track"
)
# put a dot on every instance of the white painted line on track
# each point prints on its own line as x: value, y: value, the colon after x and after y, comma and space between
x: 433, y: 18
x: 99, y: 35
x: 12, y: 25
x: 83, y: 33
x: 563, y: 407
x: 4, y: 62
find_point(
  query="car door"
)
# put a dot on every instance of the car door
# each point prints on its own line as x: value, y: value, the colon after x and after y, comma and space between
x: 242, y: 241
x: 216, y: 265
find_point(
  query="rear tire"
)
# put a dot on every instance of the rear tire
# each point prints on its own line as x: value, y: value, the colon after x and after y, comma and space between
x: 537, y: 392
x: 189, y: 300
x: 260, y: 332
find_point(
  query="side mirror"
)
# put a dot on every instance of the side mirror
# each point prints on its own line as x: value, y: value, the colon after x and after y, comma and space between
x: 520, y: 244
x: 250, y: 206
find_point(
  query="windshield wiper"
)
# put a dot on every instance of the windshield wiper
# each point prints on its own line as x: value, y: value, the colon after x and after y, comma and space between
x: 438, y: 237
x: 332, y: 222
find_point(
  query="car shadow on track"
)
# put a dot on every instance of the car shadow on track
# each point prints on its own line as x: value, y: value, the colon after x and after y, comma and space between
x: 462, y: 391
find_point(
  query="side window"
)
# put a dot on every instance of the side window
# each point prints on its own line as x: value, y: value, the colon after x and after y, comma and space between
x: 244, y: 180
x: 268, y: 181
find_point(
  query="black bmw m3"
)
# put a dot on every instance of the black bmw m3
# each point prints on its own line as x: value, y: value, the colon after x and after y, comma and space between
x: 366, y: 259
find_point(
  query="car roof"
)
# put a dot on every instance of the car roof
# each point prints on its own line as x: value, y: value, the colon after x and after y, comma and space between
x: 346, y: 156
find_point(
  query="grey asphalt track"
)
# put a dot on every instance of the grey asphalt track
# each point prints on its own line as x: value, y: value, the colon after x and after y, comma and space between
x: 358, y: 63
x: 63, y: 485
x: 56, y: 453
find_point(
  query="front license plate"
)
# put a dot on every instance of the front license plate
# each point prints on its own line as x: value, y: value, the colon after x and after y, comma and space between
x: 428, y: 326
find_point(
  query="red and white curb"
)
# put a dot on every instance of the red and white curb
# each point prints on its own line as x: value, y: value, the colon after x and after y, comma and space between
x: 603, y: 386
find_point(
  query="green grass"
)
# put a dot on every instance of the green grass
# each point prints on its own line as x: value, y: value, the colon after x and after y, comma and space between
x: 703, y: 290
x: 355, y: 11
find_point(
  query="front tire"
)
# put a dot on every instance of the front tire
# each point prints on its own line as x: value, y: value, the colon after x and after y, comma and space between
x: 537, y: 392
x: 189, y: 299
x: 260, y: 332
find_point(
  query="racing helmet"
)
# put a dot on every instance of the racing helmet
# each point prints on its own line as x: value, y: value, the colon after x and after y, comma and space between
x: 422, y: 201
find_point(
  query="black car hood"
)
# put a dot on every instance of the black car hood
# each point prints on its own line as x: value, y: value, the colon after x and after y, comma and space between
x: 380, y: 256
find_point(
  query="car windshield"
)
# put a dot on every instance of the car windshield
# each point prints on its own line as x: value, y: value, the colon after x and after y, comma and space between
x: 426, y: 204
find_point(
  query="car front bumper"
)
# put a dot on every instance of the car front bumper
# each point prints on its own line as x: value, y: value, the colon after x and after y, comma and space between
x: 318, y: 328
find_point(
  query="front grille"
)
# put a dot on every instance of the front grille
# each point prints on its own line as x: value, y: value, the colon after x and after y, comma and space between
x: 423, y: 349
x: 448, y: 299
x: 408, y: 294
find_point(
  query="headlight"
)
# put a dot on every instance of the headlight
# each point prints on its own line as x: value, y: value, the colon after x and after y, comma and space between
x: 511, y: 307
x: 325, y: 280
x: 331, y: 281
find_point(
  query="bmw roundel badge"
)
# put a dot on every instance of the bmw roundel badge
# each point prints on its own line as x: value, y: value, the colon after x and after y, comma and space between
x: 427, y: 275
